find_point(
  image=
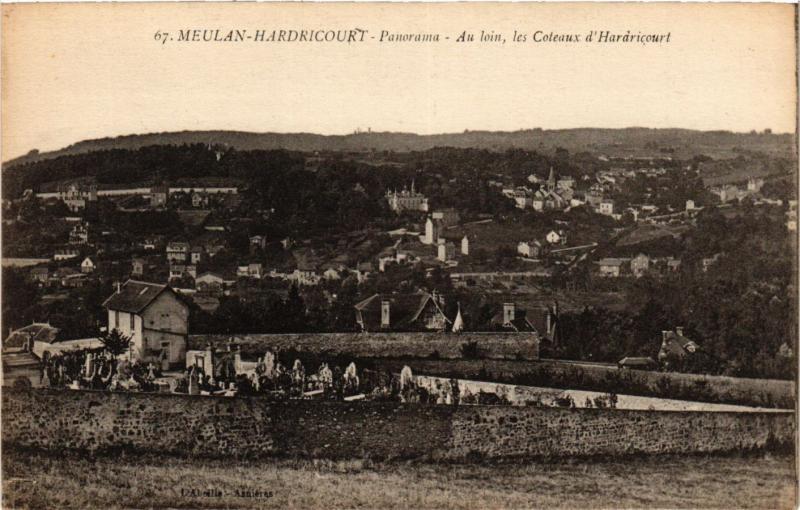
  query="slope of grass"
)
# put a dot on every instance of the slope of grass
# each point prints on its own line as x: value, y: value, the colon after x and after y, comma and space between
x: 47, y: 480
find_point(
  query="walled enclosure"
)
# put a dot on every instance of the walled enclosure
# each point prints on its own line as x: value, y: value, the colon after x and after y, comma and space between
x: 220, y: 426
x: 499, y: 345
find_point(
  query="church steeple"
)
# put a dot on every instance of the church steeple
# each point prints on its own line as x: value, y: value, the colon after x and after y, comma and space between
x: 551, y: 181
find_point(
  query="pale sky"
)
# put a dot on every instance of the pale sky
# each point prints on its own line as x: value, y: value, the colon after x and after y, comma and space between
x: 77, y: 71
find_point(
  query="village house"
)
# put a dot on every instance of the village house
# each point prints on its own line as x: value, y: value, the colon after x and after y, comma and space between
x: 79, y: 234
x: 433, y: 229
x: 402, y: 312
x: 523, y: 198
x: 20, y: 361
x: 707, y: 262
x: 158, y: 197
x: 25, y: 338
x: 258, y: 242
x: 673, y: 264
x: 331, y: 273
x: 363, y: 271
x: 210, y: 282
x: 512, y: 318
x: 593, y: 198
x: 196, y: 254
x: 74, y: 281
x: 611, y: 267
x: 606, y: 207
x: 565, y: 183
x: 530, y: 249
x: 639, y: 265
x: 40, y: 275
x: 178, y: 271
x: 754, y: 184
x: 88, y: 265
x: 675, y: 346
x: 446, y: 250
x: 178, y: 252
x: 548, y: 200
x: 305, y: 274
x: 76, y: 196
x: 554, y: 237
x: 137, y: 266
x: 532, y: 178
x: 150, y: 243
x: 199, y: 200
x: 253, y: 270
x: 154, y: 317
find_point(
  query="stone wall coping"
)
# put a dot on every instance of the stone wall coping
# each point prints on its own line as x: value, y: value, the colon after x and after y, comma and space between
x: 368, y: 404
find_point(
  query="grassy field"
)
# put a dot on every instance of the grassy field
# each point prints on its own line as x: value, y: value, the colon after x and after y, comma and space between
x: 46, y: 480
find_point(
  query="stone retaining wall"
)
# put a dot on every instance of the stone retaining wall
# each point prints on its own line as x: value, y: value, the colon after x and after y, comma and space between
x: 220, y: 426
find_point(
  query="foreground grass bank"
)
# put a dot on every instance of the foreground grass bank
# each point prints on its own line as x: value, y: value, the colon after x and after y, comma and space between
x: 34, y: 479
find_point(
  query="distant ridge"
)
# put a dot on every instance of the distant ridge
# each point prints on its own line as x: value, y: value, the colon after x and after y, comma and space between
x: 572, y: 139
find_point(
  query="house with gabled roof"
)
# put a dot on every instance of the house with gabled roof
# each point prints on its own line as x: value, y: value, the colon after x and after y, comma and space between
x: 611, y: 267
x: 675, y: 346
x: 512, y: 318
x: 403, y: 312
x: 155, y: 318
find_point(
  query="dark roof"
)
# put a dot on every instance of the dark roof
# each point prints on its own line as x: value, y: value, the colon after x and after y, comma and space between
x: 134, y: 296
x: 637, y: 362
x: 611, y: 262
x: 520, y: 322
x: 404, y: 309
x: 39, y: 331
x: 676, y: 345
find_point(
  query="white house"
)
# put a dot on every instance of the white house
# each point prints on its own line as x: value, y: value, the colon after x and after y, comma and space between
x: 154, y: 317
x: 465, y: 245
x: 531, y: 249
x: 446, y: 250
x: 433, y: 229
x: 611, y: 267
x: 606, y: 207
x: 87, y: 266
x: 178, y: 252
x: 553, y: 237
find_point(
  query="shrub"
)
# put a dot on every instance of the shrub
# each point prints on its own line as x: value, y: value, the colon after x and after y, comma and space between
x: 469, y: 350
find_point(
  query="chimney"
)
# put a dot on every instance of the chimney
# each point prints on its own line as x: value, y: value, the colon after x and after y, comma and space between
x: 664, y: 335
x: 508, y: 312
x: 119, y: 288
x: 385, y: 322
x: 679, y: 330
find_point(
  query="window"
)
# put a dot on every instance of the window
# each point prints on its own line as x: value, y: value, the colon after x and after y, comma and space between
x: 132, y: 322
x: 116, y: 318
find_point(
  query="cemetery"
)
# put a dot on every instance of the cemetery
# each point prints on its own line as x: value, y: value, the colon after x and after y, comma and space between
x: 221, y: 404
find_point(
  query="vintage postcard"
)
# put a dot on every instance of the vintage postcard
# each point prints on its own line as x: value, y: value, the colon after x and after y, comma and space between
x: 386, y: 255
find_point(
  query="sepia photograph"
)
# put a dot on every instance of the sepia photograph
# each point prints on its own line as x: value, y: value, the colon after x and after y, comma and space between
x: 399, y: 255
